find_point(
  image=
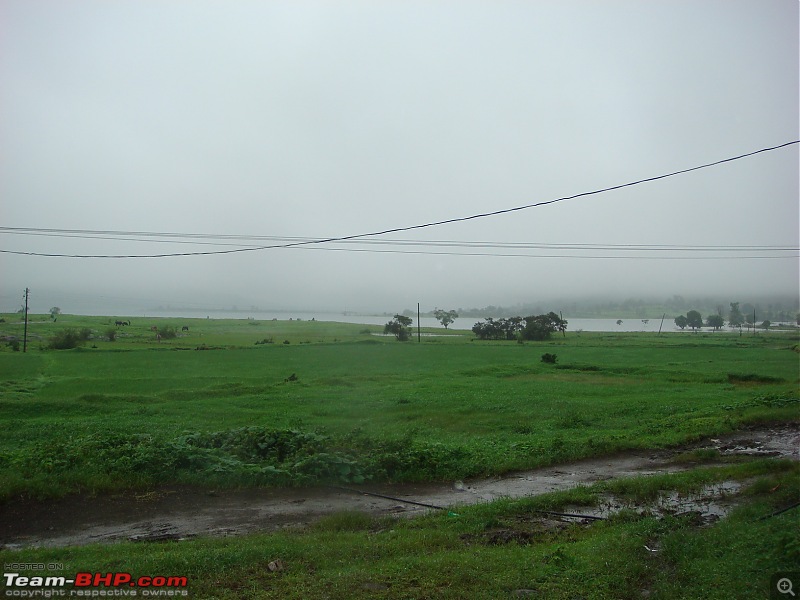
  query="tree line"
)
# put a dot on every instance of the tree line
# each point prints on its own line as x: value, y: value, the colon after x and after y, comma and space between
x: 736, y: 318
x: 773, y: 308
x: 538, y: 327
x: 535, y: 328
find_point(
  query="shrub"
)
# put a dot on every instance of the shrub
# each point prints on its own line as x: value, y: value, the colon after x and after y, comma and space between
x: 67, y: 339
x: 168, y: 332
x: 111, y: 334
x: 549, y: 358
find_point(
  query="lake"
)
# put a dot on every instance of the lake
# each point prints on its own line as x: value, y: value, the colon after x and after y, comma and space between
x: 574, y: 324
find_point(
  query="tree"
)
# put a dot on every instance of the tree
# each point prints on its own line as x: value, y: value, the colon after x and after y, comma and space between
x: 715, y: 321
x: 54, y: 312
x: 500, y: 329
x: 541, y: 327
x: 445, y: 317
x: 681, y: 321
x: 488, y: 330
x: 766, y: 324
x: 529, y: 328
x: 694, y: 320
x: 735, y: 316
x: 511, y: 327
x: 399, y: 327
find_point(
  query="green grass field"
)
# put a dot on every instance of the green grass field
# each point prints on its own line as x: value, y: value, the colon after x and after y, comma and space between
x: 232, y: 403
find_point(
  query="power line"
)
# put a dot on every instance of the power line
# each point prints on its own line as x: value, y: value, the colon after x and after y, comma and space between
x: 572, y: 256
x: 307, y: 242
x: 650, y: 249
x: 102, y: 235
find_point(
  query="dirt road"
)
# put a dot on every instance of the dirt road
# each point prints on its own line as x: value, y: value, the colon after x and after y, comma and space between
x: 180, y: 513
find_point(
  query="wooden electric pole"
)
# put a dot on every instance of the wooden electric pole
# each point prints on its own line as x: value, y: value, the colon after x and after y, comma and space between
x: 25, y: 334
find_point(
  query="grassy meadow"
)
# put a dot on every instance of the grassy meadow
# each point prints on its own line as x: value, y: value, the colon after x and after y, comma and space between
x: 291, y: 403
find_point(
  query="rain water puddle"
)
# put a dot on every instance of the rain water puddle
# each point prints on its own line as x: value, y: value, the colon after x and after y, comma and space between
x: 180, y: 513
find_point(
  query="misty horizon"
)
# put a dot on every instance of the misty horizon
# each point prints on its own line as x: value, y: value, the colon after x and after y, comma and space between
x: 136, y: 129
x: 40, y: 302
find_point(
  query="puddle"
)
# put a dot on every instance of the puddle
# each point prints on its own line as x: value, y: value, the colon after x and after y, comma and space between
x: 705, y: 506
x: 182, y: 513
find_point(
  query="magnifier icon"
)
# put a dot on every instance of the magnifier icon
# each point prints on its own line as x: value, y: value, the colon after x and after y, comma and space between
x: 785, y: 586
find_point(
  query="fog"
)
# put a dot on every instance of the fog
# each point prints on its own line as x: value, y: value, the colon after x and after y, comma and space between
x: 267, y: 123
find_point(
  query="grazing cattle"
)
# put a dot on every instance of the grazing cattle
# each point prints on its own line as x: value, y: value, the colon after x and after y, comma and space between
x: 184, y: 328
x: 118, y: 323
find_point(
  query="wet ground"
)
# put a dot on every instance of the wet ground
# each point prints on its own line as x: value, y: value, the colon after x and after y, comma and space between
x: 181, y: 513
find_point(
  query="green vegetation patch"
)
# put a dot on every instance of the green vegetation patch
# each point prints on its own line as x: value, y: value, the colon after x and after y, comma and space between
x: 382, y: 410
x: 503, y: 549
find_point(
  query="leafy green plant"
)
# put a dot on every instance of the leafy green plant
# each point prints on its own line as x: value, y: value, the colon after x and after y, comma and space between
x: 68, y: 338
x: 167, y: 332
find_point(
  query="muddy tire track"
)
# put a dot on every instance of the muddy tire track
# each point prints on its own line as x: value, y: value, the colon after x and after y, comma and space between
x: 177, y: 513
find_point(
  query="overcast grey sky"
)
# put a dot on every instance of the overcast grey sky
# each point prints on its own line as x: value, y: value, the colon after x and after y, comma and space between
x: 328, y: 119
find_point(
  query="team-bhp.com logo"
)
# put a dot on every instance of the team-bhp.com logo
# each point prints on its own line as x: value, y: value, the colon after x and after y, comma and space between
x: 93, y: 585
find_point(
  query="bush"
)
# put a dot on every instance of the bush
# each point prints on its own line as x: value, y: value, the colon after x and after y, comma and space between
x: 549, y: 358
x: 68, y: 338
x: 111, y: 334
x: 168, y: 333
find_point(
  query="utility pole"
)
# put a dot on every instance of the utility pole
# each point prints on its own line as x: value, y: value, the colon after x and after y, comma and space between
x: 419, y: 334
x: 25, y: 334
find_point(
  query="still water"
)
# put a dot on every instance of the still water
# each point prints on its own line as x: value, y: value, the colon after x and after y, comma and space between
x: 626, y: 325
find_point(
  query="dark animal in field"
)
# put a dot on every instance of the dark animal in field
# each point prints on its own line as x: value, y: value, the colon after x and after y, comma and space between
x: 184, y: 328
x: 118, y: 323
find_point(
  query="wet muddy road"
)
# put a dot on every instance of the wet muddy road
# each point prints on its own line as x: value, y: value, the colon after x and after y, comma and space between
x: 180, y: 513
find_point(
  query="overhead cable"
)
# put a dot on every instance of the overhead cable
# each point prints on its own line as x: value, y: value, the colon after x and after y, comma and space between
x: 190, y: 239
x: 411, y: 227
